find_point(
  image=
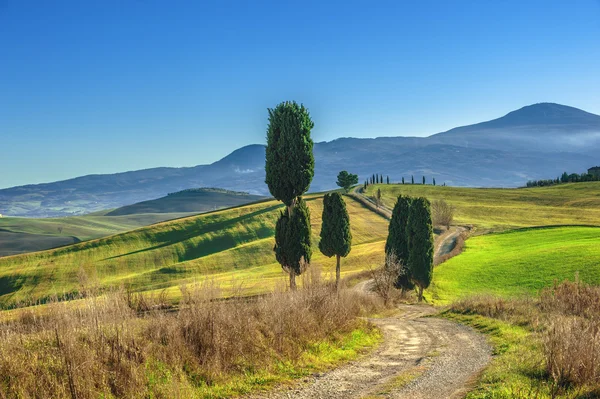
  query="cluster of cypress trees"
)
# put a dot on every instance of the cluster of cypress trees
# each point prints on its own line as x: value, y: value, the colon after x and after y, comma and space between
x: 410, y: 239
x: 376, y: 179
x: 289, y: 171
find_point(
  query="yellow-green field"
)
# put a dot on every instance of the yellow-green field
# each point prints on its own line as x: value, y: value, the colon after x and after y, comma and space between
x: 497, y: 208
x: 232, y: 247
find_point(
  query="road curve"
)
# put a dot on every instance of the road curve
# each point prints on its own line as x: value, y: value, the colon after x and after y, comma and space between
x: 442, y: 357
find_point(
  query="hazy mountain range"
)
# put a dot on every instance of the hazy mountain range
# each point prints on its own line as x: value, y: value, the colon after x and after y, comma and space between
x: 535, y: 142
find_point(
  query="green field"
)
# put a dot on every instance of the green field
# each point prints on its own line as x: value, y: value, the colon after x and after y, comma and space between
x: 497, y: 208
x: 519, y: 262
x: 230, y: 246
x: 22, y: 235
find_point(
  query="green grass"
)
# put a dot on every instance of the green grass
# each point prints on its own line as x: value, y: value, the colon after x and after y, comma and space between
x: 22, y: 235
x: 497, y: 208
x: 519, y: 262
x: 517, y: 368
x: 232, y: 246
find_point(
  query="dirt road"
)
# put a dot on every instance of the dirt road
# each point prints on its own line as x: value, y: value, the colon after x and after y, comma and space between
x: 421, y: 357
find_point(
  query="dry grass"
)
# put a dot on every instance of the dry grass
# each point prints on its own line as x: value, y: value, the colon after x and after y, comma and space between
x: 126, y: 345
x: 563, y: 324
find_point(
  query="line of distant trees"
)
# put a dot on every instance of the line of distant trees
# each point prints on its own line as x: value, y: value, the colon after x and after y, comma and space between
x: 378, y: 179
x: 564, y: 178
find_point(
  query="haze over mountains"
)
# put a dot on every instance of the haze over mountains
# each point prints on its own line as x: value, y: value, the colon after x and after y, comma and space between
x: 535, y: 142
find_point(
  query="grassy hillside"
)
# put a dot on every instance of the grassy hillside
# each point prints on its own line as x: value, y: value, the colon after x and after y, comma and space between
x: 22, y: 235
x: 233, y: 244
x: 565, y: 204
x: 519, y: 262
x: 195, y: 200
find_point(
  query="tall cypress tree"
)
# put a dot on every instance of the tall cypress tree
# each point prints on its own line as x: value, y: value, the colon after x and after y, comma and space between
x: 397, y: 241
x: 388, y: 180
x: 293, y: 240
x: 434, y: 181
x: 289, y: 171
x: 336, y: 237
x: 423, y: 180
x: 412, y: 179
x: 402, y: 179
x: 420, y: 244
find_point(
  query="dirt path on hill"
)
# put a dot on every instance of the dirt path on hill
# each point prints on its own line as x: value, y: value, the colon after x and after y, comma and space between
x: 420, y: 357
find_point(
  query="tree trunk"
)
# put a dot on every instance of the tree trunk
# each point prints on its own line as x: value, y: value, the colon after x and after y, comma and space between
x: 420, y: 294
x: 337, y: 274
x: 292, y: 279
x: 290, y: 207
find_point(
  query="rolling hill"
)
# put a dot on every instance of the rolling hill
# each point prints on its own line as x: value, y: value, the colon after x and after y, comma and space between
x: 22, y: 235
x: 534, y: 142
x: 232, y: 247
x: 192, y: 200
x: 519, y: 262
x: 501, y: 209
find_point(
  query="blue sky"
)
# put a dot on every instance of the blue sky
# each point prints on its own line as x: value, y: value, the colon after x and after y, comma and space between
x: 109, y: 86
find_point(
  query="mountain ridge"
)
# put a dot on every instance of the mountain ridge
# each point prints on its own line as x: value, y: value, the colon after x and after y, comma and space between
x: 536, y: 141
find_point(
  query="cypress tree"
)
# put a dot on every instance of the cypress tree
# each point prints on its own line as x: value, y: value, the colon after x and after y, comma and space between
x: 423, y: 180
x: 420, y: 244
x: 289, y: 171
x: 412, y: 179
x: 388, y: 180
x: 434, y: 181
x: 402, y: 179
x: 374, y: 182
x: 293, y: 240
x: 336, y: 237
x: 397, y: 241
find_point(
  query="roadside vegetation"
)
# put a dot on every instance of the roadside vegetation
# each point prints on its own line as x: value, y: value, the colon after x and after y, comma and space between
x: 124, y: 345
x: 545, y: 347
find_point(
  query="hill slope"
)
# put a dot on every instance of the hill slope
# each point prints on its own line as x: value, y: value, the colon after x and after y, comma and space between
x: 565, y: 204
x: 230, y: 245
x: 519, y: 262
x: 535, y: 142
x: 23, y: 235
x: 193, y: 200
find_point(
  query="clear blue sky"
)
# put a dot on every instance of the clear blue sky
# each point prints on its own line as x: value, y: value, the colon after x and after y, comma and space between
x: 109, y: 86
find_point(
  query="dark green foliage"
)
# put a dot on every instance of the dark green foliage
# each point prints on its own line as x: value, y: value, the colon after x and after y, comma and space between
x: 290, y: 162
x: 336, y: 237
x: 423, y: 180
x: 346, y: 180
x: 565, y: 178
x: 293, y: 238
x: 397, y: 241
x: 434, y: 181
x: 412, y: 180
x: 388, y: 180
x: 420, y: 243
x: 373, y: 179
x: 402, y: 179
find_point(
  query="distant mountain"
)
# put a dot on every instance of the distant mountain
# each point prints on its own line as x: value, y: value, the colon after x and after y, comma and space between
x: 535, y: 142
x: 192, y: 200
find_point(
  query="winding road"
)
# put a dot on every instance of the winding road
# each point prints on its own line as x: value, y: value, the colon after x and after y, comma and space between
x: 421, y: 357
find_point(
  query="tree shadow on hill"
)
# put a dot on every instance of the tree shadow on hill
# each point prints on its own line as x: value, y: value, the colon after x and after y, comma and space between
x: 193, y: 251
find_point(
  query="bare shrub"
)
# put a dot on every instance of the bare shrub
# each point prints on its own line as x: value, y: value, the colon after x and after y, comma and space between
x: 442, y: 213
x: 385, y: 277
x: 572, y: 350
x: 572, y: 298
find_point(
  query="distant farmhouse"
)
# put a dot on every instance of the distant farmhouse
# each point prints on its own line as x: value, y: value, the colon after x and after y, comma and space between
x: 595, y: 171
